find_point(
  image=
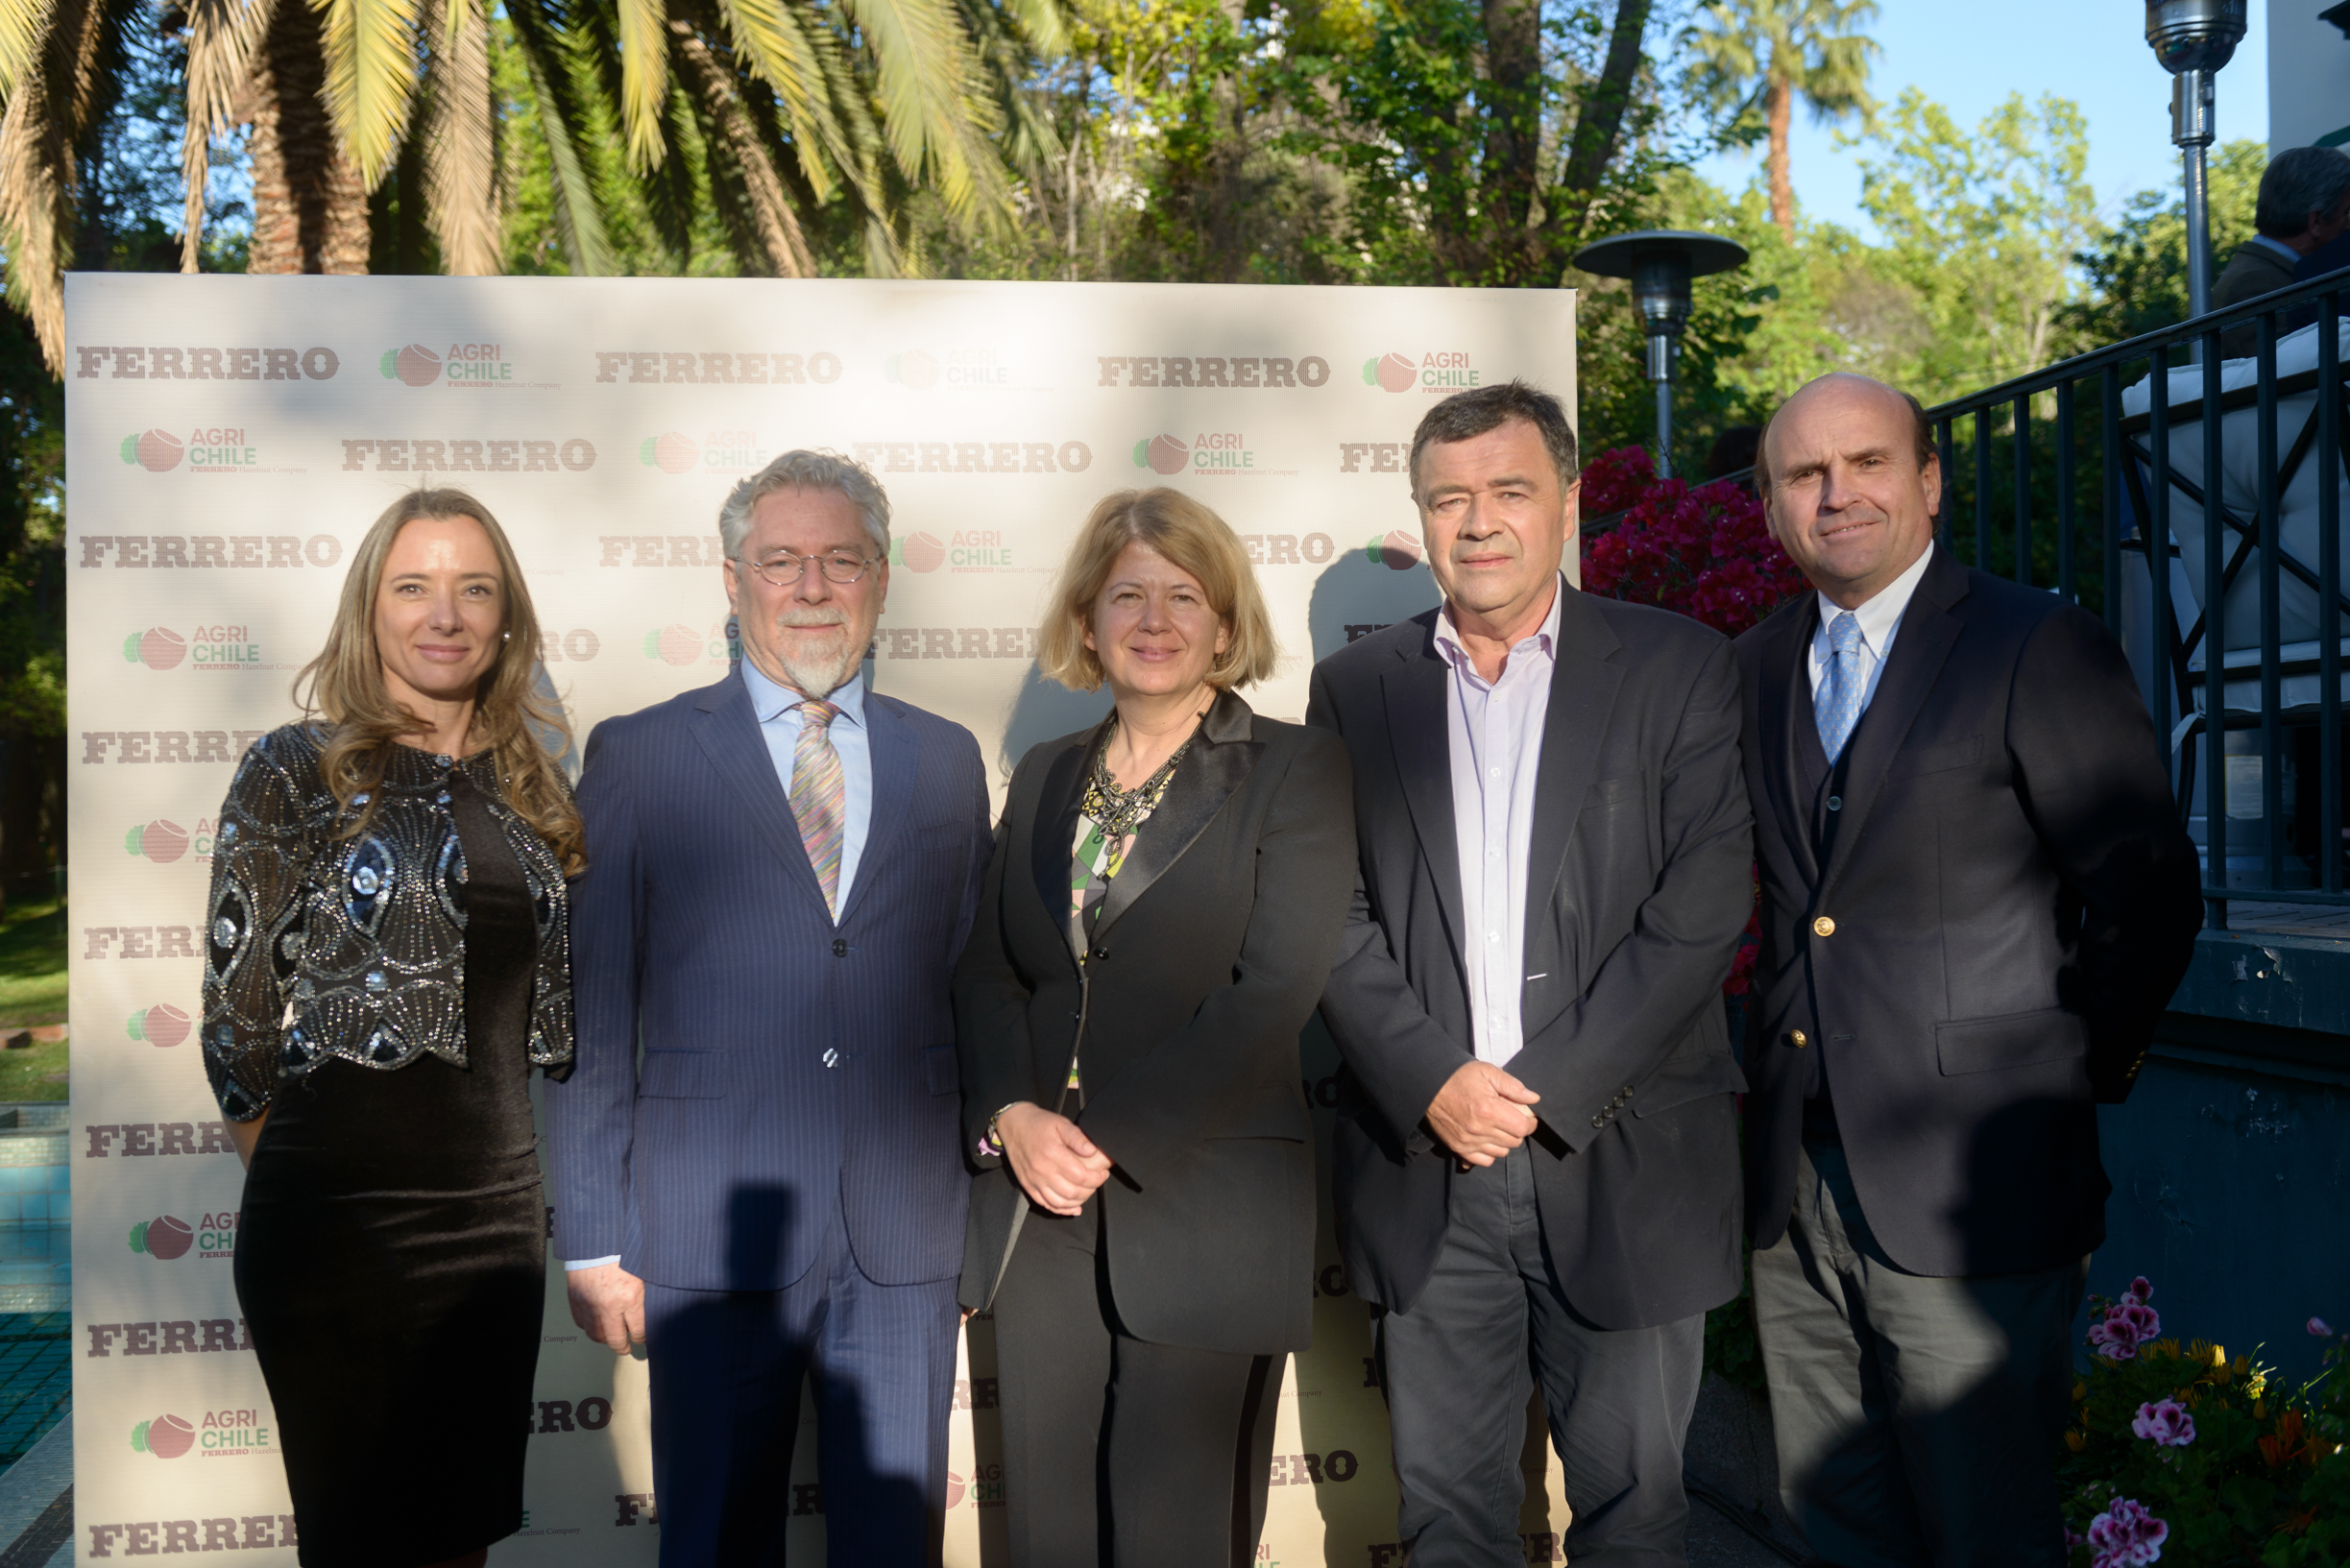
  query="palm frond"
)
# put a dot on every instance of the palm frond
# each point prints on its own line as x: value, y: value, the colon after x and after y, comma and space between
x: 461, y: 140
x: 784, y: 52
x: 579, y: 216
x: 23, y: 24
x: 49, y: 116
x: 222, y: 36
x: 371, y: 78
x: 645, y: 78
x: 934, y: 118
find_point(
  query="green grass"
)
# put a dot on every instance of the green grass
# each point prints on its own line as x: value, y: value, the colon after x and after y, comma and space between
x: 35, y: 1072
x: 33, y: 965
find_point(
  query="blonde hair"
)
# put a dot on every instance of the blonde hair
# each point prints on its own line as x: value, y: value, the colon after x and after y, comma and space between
x: 346, y: 688
x: 1190, y: 536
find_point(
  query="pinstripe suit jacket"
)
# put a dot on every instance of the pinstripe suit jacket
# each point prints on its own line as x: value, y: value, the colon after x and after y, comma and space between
x: 789, y: 1064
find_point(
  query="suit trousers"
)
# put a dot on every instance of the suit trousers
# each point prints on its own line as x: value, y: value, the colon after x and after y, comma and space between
x: 726, y: 1372
x: 1916, y: 1417
x: 1119, y: 1453
x: 1455, y: 1365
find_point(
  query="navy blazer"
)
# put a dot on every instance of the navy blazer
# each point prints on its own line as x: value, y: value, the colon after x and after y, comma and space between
x: 790, y: 1067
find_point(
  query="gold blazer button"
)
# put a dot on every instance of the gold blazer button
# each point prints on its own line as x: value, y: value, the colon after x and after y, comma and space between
x: 1822, y: 926
x: 1797, y: 1039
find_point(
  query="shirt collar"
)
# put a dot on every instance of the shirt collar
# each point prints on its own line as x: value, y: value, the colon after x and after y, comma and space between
x: 1879, y: 616
x: 1546, y: 637
x: 769, y: 700
x: 2292, y: 256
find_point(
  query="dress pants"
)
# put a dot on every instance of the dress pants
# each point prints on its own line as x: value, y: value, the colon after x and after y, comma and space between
x: 1916, y: 1417
x: 1119, y: 1453
x: 727, y: 1367
x: 1619, y: 1400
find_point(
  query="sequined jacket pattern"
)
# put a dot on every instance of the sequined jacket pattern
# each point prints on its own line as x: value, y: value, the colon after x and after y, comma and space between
x: 319, y: 947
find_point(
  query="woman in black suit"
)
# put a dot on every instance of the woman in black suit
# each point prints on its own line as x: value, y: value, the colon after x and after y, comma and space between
x: 1165, y: 901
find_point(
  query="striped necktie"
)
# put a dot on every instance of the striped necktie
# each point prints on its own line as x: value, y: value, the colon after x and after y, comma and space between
x: 819, y: 801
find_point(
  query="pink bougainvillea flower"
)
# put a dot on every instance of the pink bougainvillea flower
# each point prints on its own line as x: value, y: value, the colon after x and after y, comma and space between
x: 2165, y: 1425
x: 2125, y: 1535
x: 2320, y: 1327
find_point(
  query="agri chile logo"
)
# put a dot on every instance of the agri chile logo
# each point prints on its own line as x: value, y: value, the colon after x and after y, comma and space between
x: 718, y: 452
x: 161, y: 1025
x: 166, y: 1438
x: 1446, y: 371
x: 214, y: 647
x: 206, y: 450
x: 168, y: 1237
x: 1216, y: 452
x: 681, y: 645
x: 157, y: 452
x: 1399, y: 549
x: 466, y: 364
x: 161, y: 841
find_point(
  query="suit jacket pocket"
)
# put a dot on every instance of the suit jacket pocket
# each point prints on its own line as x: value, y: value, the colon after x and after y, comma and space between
x: 679, y: 1074
x: 1988, y: 1044
x: 938, y: 1063
x: 1910, y: 764
x: 1675, y: 1087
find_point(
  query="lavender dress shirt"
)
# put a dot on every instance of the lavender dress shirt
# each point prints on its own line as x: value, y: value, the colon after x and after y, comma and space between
x: 1495, y: 734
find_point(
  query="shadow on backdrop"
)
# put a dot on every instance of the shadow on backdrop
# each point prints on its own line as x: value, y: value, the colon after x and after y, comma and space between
x: 1355, y: 595
x: 1045, y: 710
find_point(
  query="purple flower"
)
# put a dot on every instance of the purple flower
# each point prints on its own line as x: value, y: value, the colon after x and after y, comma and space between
x: 2166, y: 1424
x: 2321, y: 1328
x: 2126, y: 1535
x: 2140, y: 1291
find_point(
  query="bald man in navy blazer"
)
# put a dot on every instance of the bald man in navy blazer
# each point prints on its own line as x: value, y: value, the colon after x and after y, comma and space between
x: 781, y: 869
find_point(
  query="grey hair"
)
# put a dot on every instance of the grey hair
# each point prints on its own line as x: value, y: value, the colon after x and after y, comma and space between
x: 1466, y: 416
x: 2298, y: 181
x: 804, y: 469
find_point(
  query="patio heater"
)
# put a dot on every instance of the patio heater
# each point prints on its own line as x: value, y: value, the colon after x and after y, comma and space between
x: 2192, y: 40
x: 1660, y: 262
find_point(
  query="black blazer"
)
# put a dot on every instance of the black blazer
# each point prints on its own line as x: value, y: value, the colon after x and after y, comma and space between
x: 2012, y: 902
x: 1639, y: 888
x: 1208, y: 957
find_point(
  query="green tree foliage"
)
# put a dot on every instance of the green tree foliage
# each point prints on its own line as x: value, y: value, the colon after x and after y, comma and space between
x: 2135, y: 274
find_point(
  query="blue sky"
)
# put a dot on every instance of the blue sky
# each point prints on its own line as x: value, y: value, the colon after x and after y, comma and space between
x: 1970, y: 55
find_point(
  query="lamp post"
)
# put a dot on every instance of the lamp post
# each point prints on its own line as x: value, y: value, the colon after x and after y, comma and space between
x: 2192, y: 40
x: 1660, y: 262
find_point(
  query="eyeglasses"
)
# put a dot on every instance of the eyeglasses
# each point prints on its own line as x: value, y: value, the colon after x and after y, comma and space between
x: 783, y: 569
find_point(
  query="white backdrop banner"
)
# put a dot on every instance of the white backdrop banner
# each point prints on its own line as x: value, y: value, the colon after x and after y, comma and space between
x: 230, y: 440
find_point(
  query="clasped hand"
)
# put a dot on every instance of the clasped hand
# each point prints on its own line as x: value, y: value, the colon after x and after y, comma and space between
x: 1056, y: 1164
x: 1481, y: 1114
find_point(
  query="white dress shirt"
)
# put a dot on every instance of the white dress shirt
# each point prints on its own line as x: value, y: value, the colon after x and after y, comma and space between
x: 1493, y: 733
x: 1881, y: 617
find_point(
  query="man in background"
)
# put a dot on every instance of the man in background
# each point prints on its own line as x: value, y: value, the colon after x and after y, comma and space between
x: 2304, y: 203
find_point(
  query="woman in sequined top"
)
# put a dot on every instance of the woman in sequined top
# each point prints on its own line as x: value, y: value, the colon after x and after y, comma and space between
x: 385, y: 961
x: 1164, y: 903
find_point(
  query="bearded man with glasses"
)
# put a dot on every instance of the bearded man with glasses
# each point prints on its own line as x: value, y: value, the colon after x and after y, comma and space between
x: 781, y: 868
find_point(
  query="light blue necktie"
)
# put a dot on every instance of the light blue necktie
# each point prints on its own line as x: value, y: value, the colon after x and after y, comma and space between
x: 1839, y: 700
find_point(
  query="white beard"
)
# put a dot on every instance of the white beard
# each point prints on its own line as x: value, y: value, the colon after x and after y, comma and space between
x: 817, y: 666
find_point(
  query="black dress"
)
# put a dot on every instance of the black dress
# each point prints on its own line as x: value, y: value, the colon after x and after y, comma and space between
x: 391, y: 1260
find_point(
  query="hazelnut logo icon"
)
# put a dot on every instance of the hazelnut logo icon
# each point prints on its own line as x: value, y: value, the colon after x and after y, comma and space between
x: 1394, y: 372
x: 159, y: 841
x: 161, y: 1025
x: 166, y: 1438
x: 416, y: 365
x: 921, y: 552
x: 164, y: 1237
x: 674, y: 644
x: 157, y: 452
x: 1399, y: 547
x: 670, y: 452
x: 1163, y: 454
x: 155, y: 647
x: 913, y: 368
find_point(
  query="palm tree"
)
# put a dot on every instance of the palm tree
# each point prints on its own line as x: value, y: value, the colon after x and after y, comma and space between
x: 1754, y: 57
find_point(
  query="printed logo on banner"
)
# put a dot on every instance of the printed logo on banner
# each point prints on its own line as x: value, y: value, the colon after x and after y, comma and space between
x: 1233, y: 371
x: 464, y: 365
x: 966, y: 549
x: 210, y: 648
x: 728, y: 369
x: 207, y: 364
x: 593, y: 1413
x: 408, y: 454
x: 1444, y: 372
x: 163, y: 841
x: 211, y: 449
x: 1399, y: 548
x: 1289, y: 550
x: 575, y: 646
x: 1211, y: 451
x: 973, y: 456
x: 680, y: 644
x: 161, y: 1025
x: 137, y: 746
x: 984, y: 1487
x: 959, y: 370
x: 166, y: 1438
x: 718, y: 452
x: 167, y: 1237
x: 182, y: 551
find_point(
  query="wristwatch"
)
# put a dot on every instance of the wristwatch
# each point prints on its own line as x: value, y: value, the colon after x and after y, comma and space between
x: 991, y: 1144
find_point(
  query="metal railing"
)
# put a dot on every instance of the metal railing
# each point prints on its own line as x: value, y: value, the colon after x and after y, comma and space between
x: 2277, y: 702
